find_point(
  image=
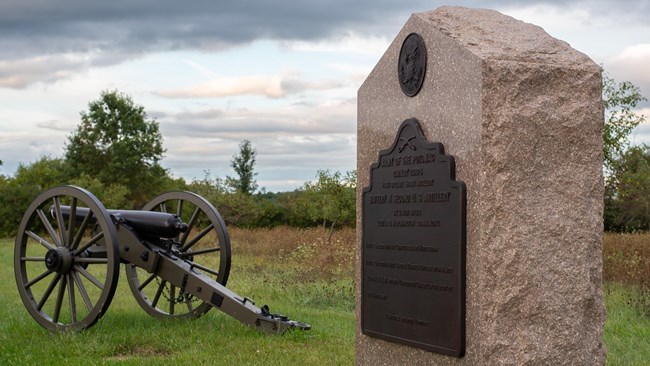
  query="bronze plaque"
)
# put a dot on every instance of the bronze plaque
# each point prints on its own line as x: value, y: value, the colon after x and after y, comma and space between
x: 413, y: 246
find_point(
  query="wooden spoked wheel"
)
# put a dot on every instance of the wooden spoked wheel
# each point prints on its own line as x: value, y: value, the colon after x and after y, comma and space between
x: 66, y: 266
x: 206, y: 244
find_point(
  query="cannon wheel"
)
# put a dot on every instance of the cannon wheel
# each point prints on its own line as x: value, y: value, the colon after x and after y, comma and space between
x: 206, y: 243
x: 66, y: 270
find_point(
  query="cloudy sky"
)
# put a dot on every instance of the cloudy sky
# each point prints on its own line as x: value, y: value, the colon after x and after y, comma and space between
x: 283, y: 74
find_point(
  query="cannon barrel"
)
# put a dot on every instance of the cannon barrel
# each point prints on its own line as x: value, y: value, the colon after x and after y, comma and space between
x: 145, y: 223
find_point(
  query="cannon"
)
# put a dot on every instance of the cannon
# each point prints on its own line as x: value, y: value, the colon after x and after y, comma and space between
x: 176, y: 252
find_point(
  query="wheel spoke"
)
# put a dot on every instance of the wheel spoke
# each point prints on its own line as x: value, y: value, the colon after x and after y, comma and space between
x: 154, y: 302
x: 32, y: 259
x: 82, y: 230
x: 199, y: 252
x: 47, y: 245
x: 59, y: 299
x: 90, y: 242
x: 163, y: 207
x: 72, y: 300
x: 205, y: 269
x: 82, y: 291
x: 146, y: 282
x: 73, y: 222
x: 172, y: 299
x: 179, y: 212
x: 90, y: 277
x: 37, y: 279
x: 190, y: 307
x: 48, y: 291
x: 179, y: 207
x: 91, y: 260
x: 200, y: 236
x: 48, y: 227
x: 190, y: 225
x: 59, y: 221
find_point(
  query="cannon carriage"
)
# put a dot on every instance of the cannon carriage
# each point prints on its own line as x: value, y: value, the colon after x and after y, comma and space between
x: 176, y: 253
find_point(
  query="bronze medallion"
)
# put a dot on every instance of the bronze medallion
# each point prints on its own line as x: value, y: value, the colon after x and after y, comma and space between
x: 412, y: 64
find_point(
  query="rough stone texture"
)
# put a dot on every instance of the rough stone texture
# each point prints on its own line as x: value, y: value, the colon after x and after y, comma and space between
x: 522, y: 113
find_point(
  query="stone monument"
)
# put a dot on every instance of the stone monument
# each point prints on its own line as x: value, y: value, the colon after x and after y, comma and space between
x: 480, y: 197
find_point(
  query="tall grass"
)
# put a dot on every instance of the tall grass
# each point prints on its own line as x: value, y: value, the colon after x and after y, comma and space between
x: 626, y: 271
x: 626, y: 260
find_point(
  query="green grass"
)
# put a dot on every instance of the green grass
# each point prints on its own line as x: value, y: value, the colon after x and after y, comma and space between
x: 126, y: 335
x: 627, y: 333
x: 296, y: 273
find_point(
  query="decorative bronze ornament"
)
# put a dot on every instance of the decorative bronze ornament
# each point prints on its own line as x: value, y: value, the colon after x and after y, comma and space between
x: 412, y: 64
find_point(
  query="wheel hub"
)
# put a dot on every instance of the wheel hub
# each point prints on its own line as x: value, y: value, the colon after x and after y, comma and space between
x: 59, y: 260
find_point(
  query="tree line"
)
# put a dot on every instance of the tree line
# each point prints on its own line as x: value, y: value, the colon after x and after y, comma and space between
x: 116, y: 150
x: 115, y: 153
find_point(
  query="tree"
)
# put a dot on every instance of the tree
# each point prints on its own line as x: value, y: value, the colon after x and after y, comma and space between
x: 244, y: 166
x: 619, y: 98
x: 17, y: 192
x: 117, y: 144
x: 331, y: 199
x: 627, y: 170
x: 627, y: 192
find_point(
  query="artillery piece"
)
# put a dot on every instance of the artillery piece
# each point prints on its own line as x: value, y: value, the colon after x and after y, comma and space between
x: 176, y: 252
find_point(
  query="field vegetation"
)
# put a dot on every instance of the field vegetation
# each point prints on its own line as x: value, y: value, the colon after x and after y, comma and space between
x: 626, y: 272
x: 296, y: 272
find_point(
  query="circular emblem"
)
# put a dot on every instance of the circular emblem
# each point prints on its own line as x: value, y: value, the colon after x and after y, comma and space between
x: 412, y: 64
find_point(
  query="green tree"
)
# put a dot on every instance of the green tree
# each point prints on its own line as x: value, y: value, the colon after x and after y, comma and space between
x: 627, y: 192
x: 619, y: 98
x: 17, y: 192
x: 331, y: 199
x: 244, y: 166
x: 626, y: 174
x: 42, y: 174
x: 117, y: 144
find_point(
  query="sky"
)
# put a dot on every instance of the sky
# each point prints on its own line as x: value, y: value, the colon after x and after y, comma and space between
x: 282, y: 74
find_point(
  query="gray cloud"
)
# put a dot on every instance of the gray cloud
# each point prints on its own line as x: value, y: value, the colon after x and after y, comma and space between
x: 111, y: 32
x: 335, y: 117
x: 270, y: 86
x: 632, y: 65
x: 278, y: 159
x: 55, y: 125
x: 293, y: 141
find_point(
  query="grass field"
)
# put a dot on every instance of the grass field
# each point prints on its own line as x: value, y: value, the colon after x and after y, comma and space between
x: 296, y: 273
x: 290, y: 270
